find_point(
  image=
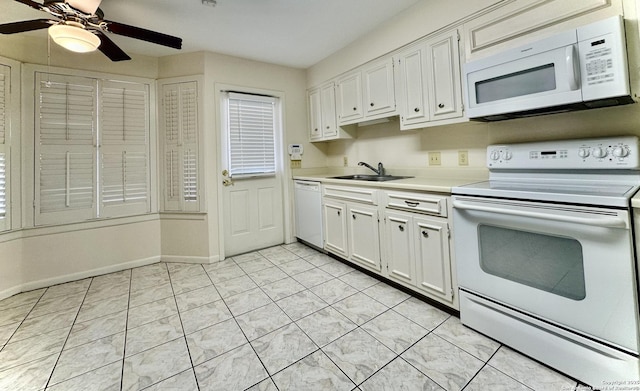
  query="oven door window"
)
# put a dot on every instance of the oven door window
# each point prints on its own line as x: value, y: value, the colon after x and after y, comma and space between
x: 550, y: 263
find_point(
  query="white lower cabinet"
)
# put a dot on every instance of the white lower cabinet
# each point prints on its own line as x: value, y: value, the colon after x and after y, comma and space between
x: 335, y: 227
x: 403, y: 236
x: 351, y: 224
x: 417, y: 253
x: 364, y: 236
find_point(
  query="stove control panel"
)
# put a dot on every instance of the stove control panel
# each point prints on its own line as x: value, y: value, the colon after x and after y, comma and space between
x: 600, y: 153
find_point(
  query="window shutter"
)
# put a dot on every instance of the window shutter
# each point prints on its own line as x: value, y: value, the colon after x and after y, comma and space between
x: 65, y: 148
x: 124, y: 149
x: 251, y: 122
x: 180, y: 111
x: 4, y: 150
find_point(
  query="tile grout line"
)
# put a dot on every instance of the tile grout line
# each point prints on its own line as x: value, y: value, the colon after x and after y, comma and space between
x: 68, y: 334
x: 184, y: 333
x: 126, y: 328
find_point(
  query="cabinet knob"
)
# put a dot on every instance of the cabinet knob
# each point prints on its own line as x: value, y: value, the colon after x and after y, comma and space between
x: 401, y: 228
x: 355, y: 109
x: 371, y: 104
x: 417, y: 109
x: 338, y: 213
x: 353, y: 216
x: 425, y: 234
x: 441, y: 105
x: 328, y: 127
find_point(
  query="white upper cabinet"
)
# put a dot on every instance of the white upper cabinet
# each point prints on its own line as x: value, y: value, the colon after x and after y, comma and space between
x: 412, y: 71
x: 322, y: 114
x: 429, y: 82
x: 445, y: 93
x: 328, y: 112
x: 349, y: 99
x: 367, y: 93
x: 379, y: 89
x: 315, y: 114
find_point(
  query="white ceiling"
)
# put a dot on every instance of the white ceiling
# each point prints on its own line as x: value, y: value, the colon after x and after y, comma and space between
x: 296, y: 33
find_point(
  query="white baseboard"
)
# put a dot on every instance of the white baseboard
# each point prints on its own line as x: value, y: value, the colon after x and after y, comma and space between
x: 189, y: 259
x: 29, y: 286
x: 32, y: 285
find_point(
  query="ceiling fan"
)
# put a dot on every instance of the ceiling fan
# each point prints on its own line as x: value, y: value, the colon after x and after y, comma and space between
x: 79, y: 25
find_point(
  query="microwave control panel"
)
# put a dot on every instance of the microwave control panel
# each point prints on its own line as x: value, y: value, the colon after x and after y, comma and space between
x: 601, y: 153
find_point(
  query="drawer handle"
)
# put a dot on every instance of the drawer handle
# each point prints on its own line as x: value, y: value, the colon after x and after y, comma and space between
x: 425, y: 234
x: 412, y: 204
x: 401, y: 228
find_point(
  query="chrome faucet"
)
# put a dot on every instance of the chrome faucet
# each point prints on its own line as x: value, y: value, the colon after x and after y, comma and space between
x: 379, y: 171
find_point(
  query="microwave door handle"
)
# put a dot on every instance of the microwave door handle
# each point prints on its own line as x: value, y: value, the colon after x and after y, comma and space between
x: 572, y: 72
x: 606, y: 222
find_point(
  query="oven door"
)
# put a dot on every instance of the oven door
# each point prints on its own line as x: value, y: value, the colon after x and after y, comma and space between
x: 572, y: 266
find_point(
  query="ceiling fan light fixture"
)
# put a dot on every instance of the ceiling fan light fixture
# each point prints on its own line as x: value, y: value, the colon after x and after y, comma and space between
x: 74, y: 38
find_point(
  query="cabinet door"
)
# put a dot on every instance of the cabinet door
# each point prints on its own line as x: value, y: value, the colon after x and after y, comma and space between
x: 399, y: 247
x: 328, y: 112
x: 364, y: 237
x: 335, y: 228
x: 349, y: 99
x: 432, y: 256
x: 444, y: 77
x: 315, y: 115
x: 379, y: 91
x: 413, y: 88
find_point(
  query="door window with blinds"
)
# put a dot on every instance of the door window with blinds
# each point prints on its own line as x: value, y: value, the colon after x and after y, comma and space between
x: 250, y: 122
x: 92, y: 148
x: 180, y: 146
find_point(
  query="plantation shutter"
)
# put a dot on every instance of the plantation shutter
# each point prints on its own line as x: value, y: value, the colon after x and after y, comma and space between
x: 4, y: 149
x: 180, y: 111
x: 124, y: 149
x: 65, y: 140
x: 251, y: 122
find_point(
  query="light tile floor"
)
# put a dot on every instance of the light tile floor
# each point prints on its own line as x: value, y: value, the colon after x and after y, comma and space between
x: 284, y: 318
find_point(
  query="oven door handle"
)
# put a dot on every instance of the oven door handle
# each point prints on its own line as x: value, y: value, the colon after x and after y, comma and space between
x: 600, y: 221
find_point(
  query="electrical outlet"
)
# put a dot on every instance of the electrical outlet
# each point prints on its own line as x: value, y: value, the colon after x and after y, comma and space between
x: 296, y: 164
x: 434, y: 159
x: 463, y: 158
x: 345, y: 161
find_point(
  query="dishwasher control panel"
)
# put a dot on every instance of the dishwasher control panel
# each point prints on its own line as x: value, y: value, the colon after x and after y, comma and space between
x: 600, y: 153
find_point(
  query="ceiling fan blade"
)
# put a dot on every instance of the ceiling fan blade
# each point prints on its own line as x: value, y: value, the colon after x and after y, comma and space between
x: 31, y: 4
x: 87, y: 6
x: 110, y: 49
x: 27, y: 25
x: 144, y: 34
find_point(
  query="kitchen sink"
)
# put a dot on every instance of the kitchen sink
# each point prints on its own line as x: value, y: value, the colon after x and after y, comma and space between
x: 371, y: 178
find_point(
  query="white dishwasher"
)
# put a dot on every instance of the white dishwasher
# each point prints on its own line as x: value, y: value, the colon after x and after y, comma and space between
x: 308, y: 201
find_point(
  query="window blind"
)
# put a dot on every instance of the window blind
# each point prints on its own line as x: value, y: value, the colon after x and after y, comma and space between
x: 65, y: 148
x: 180, y: 111
x: 124, y: 151
x: 92, y: 148
x: 251, y: 134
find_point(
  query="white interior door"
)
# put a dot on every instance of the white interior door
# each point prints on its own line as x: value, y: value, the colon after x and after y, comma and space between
x: 251, y: 174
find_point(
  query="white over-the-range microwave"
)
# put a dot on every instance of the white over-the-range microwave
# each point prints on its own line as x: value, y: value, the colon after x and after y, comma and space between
x: 578, y: 69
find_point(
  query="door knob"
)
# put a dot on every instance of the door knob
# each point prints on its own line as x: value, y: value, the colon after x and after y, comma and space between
x: 227, y: 182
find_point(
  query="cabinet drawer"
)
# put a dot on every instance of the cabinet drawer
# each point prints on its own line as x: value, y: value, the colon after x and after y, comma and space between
x: 417, y: 202
x: 366, y: 195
